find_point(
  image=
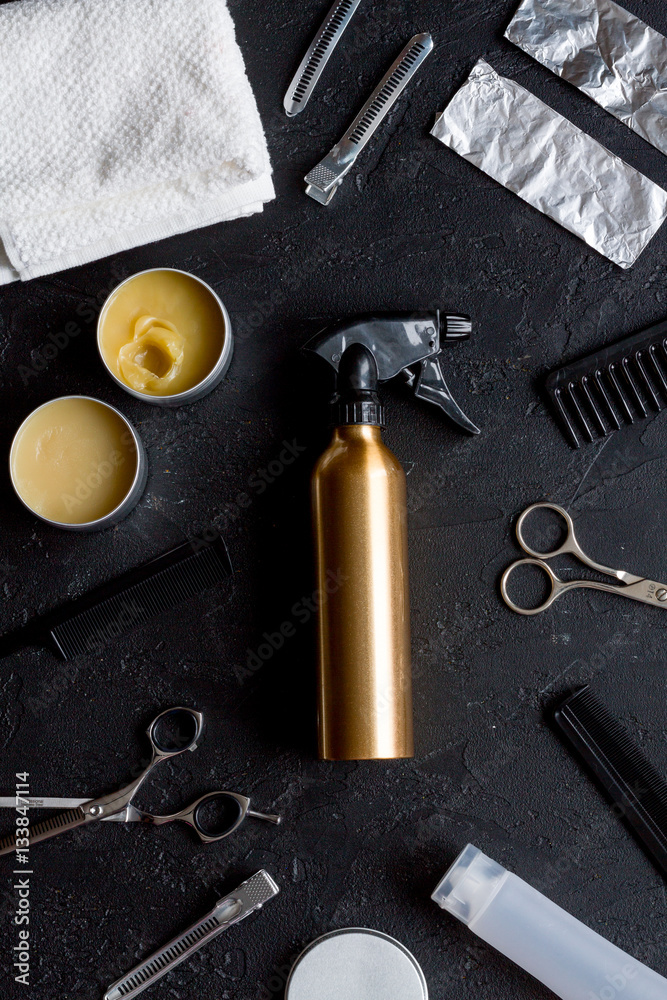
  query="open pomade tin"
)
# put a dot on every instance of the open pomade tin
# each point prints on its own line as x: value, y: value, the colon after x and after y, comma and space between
x: 165, y: 337
x: 358, y: 963
x: 77, y: 463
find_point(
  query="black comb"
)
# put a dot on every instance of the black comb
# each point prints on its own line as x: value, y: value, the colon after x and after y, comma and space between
x: 619, y: 384
x: 637, y: 790
x: 89, y: 622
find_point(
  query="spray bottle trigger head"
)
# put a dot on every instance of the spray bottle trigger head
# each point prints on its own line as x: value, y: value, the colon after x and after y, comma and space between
x: 429, y: 384
x: 408, y: 344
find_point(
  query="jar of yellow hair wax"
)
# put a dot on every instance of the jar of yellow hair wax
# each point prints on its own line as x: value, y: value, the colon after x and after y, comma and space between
x: 165, y: 337
x: 78, y: 463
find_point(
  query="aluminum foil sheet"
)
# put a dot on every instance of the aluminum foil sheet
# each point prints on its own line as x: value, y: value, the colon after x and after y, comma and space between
x: 529, y: 148
x: 605, y: 51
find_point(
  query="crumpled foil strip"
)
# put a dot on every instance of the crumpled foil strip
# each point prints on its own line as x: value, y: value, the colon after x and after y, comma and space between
x: 529, y: 148
x: 605, y: 51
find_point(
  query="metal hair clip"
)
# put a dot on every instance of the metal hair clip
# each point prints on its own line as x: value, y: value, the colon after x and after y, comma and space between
x: 324, y: 180
x: 318, y: 55
x: 240, y: 903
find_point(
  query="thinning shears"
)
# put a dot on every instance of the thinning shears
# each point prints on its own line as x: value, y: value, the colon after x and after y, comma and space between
x: 171, y: 733
x: 637, y: 588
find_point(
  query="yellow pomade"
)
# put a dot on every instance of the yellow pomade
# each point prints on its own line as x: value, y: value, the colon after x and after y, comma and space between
x: 73, y: 460
x: 161, y: 332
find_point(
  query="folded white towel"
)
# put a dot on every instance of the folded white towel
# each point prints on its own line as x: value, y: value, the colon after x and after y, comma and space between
x: 121, y: 122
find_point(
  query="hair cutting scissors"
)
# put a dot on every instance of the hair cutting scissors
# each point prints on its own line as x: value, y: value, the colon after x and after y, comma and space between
x: 173, y: 732
x: 635, y: 587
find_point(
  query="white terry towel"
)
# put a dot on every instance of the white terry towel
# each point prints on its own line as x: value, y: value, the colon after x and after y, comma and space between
x: 121, y: 122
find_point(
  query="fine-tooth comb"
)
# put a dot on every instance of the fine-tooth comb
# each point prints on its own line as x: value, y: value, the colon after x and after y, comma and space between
x: 619, y: 384
x: 324, y: 179
x: 318, y: 55
x: 89, y: 622
x: 636, y: 789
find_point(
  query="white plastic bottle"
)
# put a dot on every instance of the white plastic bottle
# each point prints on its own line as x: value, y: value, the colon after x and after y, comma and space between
x: 545, y: 940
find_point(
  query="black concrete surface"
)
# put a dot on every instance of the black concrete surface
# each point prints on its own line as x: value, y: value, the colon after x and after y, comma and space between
x: 361, y: 844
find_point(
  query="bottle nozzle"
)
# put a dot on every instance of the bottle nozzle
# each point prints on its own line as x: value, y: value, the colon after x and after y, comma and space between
x: 356, y: 400
x: 358, y: 370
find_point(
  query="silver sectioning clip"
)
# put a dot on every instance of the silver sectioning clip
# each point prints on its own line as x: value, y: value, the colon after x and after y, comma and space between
x: 318, y: 55
x: 240, y: 903
x: 324, y: 180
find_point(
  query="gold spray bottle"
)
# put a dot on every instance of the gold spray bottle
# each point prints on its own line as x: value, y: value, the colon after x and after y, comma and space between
x: 360, y: 528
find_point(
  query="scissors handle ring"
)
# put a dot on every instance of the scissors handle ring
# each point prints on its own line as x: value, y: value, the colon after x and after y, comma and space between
x: 556, y: 586
x: 192, y: 815
x: 192, y: 723
x: 569, y: 545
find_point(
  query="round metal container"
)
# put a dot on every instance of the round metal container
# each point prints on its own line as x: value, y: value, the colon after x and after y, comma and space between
x: 356, y: 962
x: 207, y: 384
x: 131, y: 498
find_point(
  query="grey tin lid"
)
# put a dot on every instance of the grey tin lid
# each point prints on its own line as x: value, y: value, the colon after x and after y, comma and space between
x: 356, y: 962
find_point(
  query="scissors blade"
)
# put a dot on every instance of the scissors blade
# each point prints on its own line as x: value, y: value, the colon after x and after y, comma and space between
x: 51, y: 827
x: 127, y: 815
x: 646, y: 591
x: 35, y: 802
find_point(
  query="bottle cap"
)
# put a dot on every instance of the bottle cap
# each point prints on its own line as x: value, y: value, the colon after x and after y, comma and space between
x: 469, y: 885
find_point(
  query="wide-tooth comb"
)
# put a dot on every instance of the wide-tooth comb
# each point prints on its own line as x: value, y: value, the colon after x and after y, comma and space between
x: 318, y: 55
x: 89, y: 622
x: 619, y: 384
x: 637, y: 790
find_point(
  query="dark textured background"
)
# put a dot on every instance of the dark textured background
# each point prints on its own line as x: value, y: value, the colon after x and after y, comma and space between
x: 362, y: 844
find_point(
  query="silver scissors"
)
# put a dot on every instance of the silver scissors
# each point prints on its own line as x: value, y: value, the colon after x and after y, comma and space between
x: 171, y: 733
x: 635, y: 587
